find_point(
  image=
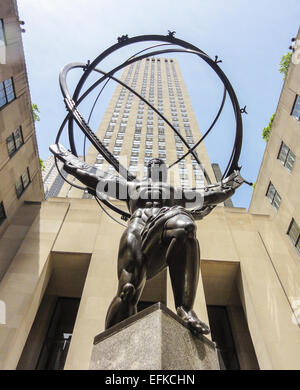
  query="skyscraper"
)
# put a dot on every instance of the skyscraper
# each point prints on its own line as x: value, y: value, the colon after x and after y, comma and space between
x: 135, y: 133
x: 52, y: 180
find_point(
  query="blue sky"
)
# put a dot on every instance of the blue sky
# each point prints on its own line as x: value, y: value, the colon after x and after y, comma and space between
x: 249, y: 36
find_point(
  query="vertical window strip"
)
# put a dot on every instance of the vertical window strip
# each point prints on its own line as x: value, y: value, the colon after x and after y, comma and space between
x: 273, y: 196
x: 22, y: 183
x: 7, y: 92
x: 286, y: 156
x: 296, y: 108
x: 2, y: 34
x: 294, y: 234
x: 15, y: 141
x: 2, y: 213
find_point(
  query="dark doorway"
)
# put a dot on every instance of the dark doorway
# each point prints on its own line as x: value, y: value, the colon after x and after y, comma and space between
x: 221, y: 334
x: 57, y: 341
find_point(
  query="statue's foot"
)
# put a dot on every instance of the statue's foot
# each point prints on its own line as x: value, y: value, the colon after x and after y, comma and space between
x: 190, y: 317
x: 127, y: 292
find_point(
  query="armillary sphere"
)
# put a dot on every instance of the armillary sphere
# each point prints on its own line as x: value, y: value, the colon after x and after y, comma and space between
x: 162, y: 47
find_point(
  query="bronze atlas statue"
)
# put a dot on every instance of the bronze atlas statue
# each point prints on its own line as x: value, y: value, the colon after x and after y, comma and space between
x: 161, y: 228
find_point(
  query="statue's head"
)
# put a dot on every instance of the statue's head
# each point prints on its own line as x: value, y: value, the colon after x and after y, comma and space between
x: 157, y: 170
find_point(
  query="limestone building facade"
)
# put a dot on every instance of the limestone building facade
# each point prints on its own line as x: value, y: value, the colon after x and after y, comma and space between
x: 20, y: 174
x: 61, y: 277
x: 277, y: 189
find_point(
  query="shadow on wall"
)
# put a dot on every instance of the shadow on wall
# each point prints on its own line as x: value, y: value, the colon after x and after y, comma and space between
x: 50, y: 335
x: 15, y: 233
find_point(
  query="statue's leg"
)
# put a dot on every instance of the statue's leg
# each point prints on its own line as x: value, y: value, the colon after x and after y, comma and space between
x: 132, y: 278
x: 183, y: 259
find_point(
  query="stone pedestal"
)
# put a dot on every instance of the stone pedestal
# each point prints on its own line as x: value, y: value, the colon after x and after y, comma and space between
x: 153, y: 339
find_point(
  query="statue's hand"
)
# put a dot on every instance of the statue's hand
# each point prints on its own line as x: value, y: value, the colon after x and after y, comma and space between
x: 233, y: 181
x: 89, y: 179
x: 84, y: 172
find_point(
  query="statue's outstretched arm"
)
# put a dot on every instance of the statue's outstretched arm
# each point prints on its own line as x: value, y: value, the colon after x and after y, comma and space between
x: 94, y: 178
x: 217, y: 193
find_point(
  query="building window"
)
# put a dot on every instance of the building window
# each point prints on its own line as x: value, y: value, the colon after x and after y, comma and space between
x: 2, y: 213
x: 2, y: 34
x: 22, y: 183
x: 273, y: 196
x: 99, y: 160
x: 286, y: 156
x: 296, y: 108
x: 133, y: 169
x: 7, y: 92
x: 117, y: 148
x: 294, y: 234
x: 14, y: 141
x: 221, y: 333
x: 57, y: 341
